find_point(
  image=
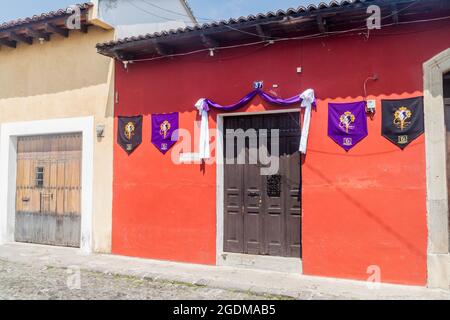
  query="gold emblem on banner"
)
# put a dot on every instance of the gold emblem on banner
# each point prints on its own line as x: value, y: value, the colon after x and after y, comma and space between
x: 346, y: 120
x: 402, y: 139
x: 165, y: 127
x: 129, y: 130
x: 401, y: 117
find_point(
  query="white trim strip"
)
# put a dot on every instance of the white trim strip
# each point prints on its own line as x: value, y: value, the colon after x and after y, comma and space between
x: 8, y: 155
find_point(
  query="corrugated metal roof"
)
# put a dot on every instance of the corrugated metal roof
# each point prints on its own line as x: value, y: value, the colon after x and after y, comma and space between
x: 233, y: 21
x: 42, y: 17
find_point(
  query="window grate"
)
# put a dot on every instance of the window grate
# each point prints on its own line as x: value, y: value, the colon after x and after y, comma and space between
x: 40, y: 177
x: 274, y: 186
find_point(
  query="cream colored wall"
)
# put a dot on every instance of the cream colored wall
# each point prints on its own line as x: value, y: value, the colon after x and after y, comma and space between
x: 64, y: 78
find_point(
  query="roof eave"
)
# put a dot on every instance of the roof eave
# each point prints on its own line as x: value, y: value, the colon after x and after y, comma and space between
x: 304, y: 21
x: 42, y: 27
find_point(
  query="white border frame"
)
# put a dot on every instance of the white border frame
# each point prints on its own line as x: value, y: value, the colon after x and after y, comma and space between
x: 276, y: 263
x: 8, y: 167
x: 438, y: 258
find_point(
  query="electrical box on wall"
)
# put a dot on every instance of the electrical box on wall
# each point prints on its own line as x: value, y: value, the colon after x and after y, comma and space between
x: 371, y: 106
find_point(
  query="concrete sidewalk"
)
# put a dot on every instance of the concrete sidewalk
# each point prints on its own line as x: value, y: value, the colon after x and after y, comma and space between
x: 257, y: 281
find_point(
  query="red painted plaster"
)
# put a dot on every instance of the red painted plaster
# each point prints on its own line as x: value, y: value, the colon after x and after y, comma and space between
x: 361, y: 208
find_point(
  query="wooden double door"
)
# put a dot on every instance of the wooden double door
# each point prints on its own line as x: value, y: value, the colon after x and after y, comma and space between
x: 262, y: 213
x: 48, y: 190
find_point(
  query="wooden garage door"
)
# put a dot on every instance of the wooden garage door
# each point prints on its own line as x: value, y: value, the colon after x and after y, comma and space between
x: 48, y: 190
x: 263, y: 213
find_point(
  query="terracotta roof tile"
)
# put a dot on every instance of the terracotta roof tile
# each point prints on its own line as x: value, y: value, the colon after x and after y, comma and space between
x: 41, y: 17
x: 232, y: 21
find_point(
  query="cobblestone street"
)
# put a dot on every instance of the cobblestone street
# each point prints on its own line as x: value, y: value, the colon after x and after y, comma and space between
x: 20, y: 281
x: 45, y: 272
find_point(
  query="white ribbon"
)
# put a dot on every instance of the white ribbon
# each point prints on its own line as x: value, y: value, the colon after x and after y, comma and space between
x: 308, y: 99
x: 204, y: 151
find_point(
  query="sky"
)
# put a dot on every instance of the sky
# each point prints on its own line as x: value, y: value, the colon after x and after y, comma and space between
x: 211, y: 9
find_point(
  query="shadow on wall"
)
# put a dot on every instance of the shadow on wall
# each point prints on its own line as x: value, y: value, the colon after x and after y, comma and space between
x: 62, y: 64
x: 335, y: 71
x: 373, y: 216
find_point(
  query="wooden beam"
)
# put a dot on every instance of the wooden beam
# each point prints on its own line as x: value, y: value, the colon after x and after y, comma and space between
x: 321, y: 23
x: 37, y: 34
x: 53, y: 29
x: 208, y: 42
x: 20, y: 38
x: 123, y: 56
x: 162, y: 49
x: 394, y: 13
x: 8, y: 43
x: 263, y: 34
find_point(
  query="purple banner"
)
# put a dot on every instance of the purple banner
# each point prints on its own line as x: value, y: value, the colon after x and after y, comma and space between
x: 163, y: 128
x: 347, y: 123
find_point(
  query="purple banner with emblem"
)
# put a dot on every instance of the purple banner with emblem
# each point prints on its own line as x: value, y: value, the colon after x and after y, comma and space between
x: 165, y: 130
x: 347, y: 123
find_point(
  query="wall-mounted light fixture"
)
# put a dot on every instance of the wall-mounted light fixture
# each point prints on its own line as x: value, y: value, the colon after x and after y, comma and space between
x: 100, y: 129
x: 371, y: 106
x: 126, y: 63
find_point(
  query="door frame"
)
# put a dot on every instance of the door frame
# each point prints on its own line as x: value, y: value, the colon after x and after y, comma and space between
x: 438, y: 259
x: 283, y: 264
x: 8, y: 169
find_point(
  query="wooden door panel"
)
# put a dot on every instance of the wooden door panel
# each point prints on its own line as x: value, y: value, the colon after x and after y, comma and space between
x: 233, y: 198
x: 253, y: 235
x: 48, y: 190
x: 72, y: 181
x: 274, y: 231
x: 233, y: 227
x: 292, y: 165
x: 274, y: 226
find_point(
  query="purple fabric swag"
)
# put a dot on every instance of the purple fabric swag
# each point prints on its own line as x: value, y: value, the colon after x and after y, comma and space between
x: 305, y: 100
x: 245, y: 100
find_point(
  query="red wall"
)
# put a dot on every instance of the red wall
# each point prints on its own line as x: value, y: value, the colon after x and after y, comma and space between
x: 361, y: 208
